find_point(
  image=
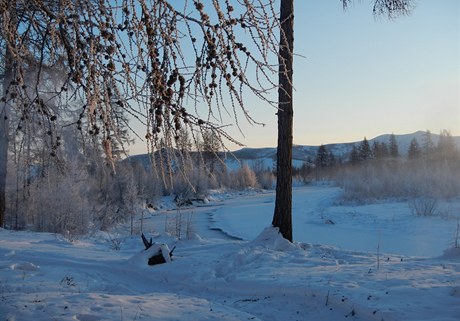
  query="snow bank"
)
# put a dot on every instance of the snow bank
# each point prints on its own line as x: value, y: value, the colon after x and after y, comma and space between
x: 219, y: 278
x: 271, y: 238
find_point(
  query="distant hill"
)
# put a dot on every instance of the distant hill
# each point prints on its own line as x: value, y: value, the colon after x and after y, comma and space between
x: 300, y: 153
x: 265, y: 157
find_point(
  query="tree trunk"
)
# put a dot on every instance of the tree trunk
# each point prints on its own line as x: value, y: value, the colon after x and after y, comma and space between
x: 3, y: 161
x: 282, y: 217
x: 4, y: 123
x: 4, y: 119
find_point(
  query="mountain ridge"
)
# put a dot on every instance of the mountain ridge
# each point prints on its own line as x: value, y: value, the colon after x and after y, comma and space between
x: 265, y: 156
x: 403, y: 141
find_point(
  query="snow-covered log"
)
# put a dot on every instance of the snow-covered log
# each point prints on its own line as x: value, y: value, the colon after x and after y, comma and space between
x: 157, y: 253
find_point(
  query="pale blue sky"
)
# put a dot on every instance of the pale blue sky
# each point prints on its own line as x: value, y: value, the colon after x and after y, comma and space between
x: 362, y: 76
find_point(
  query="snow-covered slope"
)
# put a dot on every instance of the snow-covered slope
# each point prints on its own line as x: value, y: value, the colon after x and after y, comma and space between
x: 45, y: 277
x: 300, y: 153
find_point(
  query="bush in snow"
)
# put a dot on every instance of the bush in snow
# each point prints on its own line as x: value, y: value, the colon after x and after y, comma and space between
x: 58, y: 204
x: 243, y: 178
x: 266, y: 179
x: 423, y: 206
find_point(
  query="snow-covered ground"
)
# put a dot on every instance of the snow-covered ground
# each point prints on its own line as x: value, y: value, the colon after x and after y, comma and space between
x: 376, y: 262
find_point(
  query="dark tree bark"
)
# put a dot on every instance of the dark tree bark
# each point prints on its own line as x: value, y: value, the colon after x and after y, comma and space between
x: 4, y: 122
x: 282, y: 217
x: 3, y: 147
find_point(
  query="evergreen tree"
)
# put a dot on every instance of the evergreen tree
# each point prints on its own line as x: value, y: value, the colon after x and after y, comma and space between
x: 364, y: 150
x: 384, y: 151
x: 379, y: 150
x: 428, y: 145
x: 414, y: 150
x: 354, y: 156
x: 393, y: 146
x: 306, y: 168
x: 331, y: 160
x: 376, y: 149
x: 322, y: 157
x: 445, y: 149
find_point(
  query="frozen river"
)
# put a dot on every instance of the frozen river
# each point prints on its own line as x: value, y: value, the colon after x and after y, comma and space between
x: 319, y: 218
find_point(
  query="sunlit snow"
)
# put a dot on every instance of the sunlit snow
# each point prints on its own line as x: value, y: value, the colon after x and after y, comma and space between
x: 369, y: 262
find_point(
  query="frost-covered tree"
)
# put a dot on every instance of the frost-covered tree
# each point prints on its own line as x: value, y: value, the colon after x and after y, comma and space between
x: 244, y: 177
x: 446, y: 149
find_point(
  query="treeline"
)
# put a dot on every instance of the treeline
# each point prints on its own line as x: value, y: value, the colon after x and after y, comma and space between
x: 71, y: 188
x: 382, y: 170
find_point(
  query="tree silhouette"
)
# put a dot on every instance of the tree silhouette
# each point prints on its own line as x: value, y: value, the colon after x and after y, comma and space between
x: 393, y: 146
x: 354, y: 155
x: 428, y: 145
x: 322, y: 157
x: 379, y: 150
x: 414, y: 151
x: 365, y: 152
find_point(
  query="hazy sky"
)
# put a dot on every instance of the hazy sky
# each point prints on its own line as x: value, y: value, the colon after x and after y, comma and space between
x: 360, y: 76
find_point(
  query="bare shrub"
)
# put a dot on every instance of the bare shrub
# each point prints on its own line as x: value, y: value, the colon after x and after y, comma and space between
x: 423, y: 206
x: 180, y: 226
x: 59, y: 207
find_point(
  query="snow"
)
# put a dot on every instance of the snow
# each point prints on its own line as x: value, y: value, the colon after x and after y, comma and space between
x: 376, y: 262
x: 389, y: 225
x: 140, y: 259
